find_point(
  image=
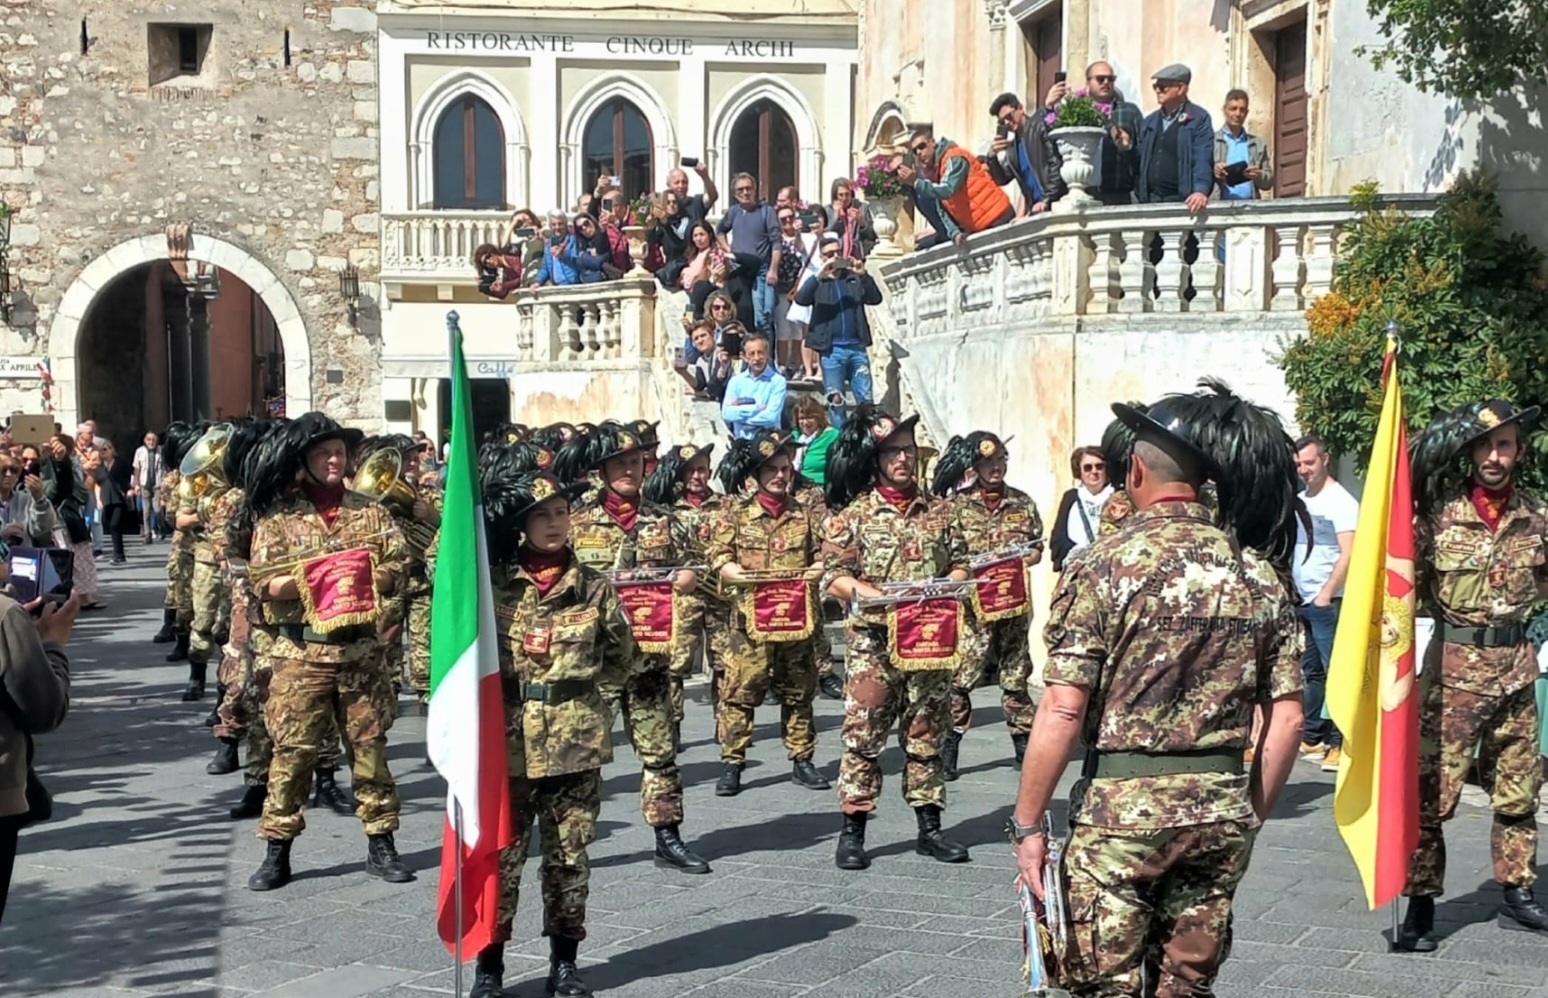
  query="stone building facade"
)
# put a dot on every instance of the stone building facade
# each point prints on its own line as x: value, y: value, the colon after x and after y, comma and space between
x: 253, y: 125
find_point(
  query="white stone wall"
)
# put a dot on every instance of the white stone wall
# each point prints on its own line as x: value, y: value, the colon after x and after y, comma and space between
x: 277, y: 162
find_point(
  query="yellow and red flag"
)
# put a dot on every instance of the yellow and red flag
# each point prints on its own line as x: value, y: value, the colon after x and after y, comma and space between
x: 1372, y: 692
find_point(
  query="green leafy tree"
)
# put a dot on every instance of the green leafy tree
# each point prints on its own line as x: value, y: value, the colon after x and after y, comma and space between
x: 1471, y: 49
x: 1471, y: 308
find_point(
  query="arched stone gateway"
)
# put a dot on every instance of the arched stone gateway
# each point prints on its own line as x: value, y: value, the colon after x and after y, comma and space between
x: 65, y: 330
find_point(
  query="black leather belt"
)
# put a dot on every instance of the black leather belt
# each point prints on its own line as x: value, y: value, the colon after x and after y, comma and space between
x: 301, y: 634
x: 1499, y: 636
x: 1127, y: 765
x: 559, y: 691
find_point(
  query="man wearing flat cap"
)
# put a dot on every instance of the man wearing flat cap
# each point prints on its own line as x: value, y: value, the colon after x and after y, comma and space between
x: 1176, y: 143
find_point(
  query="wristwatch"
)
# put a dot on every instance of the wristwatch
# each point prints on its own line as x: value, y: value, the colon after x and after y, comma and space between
x: 1019, y: 832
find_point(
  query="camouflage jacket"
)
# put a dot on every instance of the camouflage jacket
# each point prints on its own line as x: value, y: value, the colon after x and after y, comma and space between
x: 1114, y: 512
x: 1175, y: 640
x: 293, y: 529
x: 658, y: 540
x: 576, y: 637
x: 699, y: 521
x: 221, y: 511
x: 746, y: 534
x: 871, y: 541
x: 1014, y: 521
x: 1470, y: 577
x: 206, y: 548
x: 166, y: 491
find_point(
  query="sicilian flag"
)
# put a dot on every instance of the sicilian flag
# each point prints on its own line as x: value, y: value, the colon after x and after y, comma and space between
x: 466, y: 728
x: 1372, y: 692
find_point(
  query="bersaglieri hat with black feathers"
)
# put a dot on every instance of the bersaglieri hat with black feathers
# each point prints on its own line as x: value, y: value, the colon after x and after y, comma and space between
x: 1438, y: 456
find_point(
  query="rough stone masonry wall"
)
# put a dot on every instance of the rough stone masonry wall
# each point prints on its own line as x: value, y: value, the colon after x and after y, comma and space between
x: 279, y: 160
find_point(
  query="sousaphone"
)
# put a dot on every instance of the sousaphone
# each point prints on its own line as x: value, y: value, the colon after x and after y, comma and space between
x: 201, y: 467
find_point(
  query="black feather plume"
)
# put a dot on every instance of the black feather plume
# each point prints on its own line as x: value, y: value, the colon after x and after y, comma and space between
x: 851, y: 466
x: 1437, y: 457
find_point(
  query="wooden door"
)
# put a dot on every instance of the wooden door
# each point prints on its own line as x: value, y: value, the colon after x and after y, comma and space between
x: 1290, y: 111
x: 1045, y: 53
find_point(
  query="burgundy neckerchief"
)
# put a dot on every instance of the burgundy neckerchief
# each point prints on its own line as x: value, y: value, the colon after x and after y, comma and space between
x: 992, y: 497
x: 696, y: 499
x: 1491, y: 503
x: 328, y: 500
x: 898, y: 499
x: 545, y: 569
x: 624, y: 511
x: 775, y: 506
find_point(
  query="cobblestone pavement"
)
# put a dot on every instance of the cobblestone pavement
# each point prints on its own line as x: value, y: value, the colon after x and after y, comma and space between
x: 137, y: 887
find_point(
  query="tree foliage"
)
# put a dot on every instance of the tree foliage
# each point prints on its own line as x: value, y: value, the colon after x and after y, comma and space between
x: 1471, y: 49
x: 1471, y: 308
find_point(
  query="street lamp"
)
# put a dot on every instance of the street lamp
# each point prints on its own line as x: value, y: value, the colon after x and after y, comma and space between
x: 5, y: 266
x: 349, y: 290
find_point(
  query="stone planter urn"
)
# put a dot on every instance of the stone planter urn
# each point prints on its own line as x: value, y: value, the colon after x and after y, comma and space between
x: 884, y: 219
x: 636, y: 234
x: 1082, y: 152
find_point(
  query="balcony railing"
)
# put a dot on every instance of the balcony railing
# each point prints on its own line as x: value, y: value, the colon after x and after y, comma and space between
x: 610, y: 320
x: 437, y: 244
x: 1235, y: 257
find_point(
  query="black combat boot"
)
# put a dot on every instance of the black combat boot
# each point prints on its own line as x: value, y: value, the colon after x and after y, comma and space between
x: 850, y: 854
x: 197, y: 671
x: 274, y: 873
x: 168, y: 632
x: 807, y: 775
x: 179, y: 652
x: 1522, y: 909
x: 213, y: 717
x: 950, y: 749
x: 1418, y: 932
x: 730, y: 782
x: 932, y: 842
x: 832, y: 686
x: 1019, y: 743
x: 489, y: 972
x: 564, y: 978
x: 677, y: 737
x: 327, y: 793
x: 382, y: 860
x: 225, y: 760
x: 251, y: 804
x: 670, y: 851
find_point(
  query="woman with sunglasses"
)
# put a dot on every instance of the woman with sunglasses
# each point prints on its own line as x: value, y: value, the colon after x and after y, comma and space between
x: 1078, y: 521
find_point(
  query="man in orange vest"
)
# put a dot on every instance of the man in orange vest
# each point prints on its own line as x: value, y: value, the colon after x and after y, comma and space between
x: 957, y: 183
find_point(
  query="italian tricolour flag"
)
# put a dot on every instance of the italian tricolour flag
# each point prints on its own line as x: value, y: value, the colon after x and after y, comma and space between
x: 466, y: 729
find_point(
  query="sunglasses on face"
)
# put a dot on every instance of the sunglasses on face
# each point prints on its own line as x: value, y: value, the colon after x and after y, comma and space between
x: 889, y: 453
x: 1163, y: 87
x: 9, y: 470
x: 1093, y: 467
x: 787, y: 218
x: 720, y: 307
x: 920, y: 147
x: 1101, y: 79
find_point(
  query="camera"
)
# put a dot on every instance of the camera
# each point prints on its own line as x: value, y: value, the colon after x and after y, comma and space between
x: 526, y: 232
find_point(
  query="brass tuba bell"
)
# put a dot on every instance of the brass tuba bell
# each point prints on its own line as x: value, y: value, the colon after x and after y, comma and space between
x: 380, y: 479
x: 201, y: 467
x: 922, y: 464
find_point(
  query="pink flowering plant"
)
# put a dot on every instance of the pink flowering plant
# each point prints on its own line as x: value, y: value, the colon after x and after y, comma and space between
x: 877, y: 179
x: 1079, y: 110
x: 640, y: 210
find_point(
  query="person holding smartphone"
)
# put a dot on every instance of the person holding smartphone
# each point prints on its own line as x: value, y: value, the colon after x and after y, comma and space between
x: 1024, y: 152
x: 24, y: 501
x: 837, y: 295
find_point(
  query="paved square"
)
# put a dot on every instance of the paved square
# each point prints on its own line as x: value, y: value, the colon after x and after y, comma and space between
x: 137, y: 886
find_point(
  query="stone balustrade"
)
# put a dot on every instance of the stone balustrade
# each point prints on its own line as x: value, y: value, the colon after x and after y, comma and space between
x: 437, y: 245
x: 608, y: 321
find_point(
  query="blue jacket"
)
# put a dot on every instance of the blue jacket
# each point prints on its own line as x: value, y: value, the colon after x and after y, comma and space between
x: 1195, y: 151
x: 576, y: 264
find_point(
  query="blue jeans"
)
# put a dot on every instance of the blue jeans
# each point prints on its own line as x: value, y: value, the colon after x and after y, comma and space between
x: 1321, y: 623
x: 763, y: 300
x: 845, y: 364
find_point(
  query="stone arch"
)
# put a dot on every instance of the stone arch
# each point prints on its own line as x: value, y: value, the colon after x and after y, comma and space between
x: 890, y: 120
x: 808, y: 137
x: 587, y: 103
x: 434, y: 103
x: 65, y: 329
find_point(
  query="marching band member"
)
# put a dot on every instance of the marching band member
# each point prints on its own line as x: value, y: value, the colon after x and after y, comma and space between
x: 614, y: 529
x: 882, y: 530
x: 563, y: 637
x: 997, y: 519
x: 770, y: 643
x: 323, y: 559
x: 178, y: 611
x: 196, y: 495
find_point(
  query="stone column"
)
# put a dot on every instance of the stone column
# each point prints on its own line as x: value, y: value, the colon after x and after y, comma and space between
x: 1002, y: 74
x: 180, y: 373
x: 1077, y: 34
x: 199, y: 355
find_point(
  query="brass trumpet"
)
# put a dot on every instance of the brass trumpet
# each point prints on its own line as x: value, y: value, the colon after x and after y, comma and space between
x: 1045, y: 924
x: 895, y: 593
x: 753, y: 576
x: 242, y: 569
x: 1012, y: 551
x: 664, y: 573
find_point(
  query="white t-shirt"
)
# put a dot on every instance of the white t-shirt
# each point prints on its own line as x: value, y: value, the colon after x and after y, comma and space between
x: 1333, y: 511
x: 1074, y: 526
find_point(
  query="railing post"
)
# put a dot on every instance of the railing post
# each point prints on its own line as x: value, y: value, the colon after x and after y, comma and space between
x: 1071, y: 274
x: 1246, y: 268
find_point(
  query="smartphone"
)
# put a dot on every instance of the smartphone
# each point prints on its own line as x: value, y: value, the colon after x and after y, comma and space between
x: 809, y: 219
x: 42, y: 573
x: 1003, y: 129
x: 614, y: 181
x: 689, y: 162
x: 526, y: 232
x: 1061, y: 76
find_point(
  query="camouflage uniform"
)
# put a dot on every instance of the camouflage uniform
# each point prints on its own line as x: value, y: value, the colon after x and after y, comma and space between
x: 211, y: 605
x: 1176, y: 638
x: 1114, y: 512
x: 1005, y: 643
x: 1471, y: 578
x: 409, y: 610
x: 314, y: 680
x: 645, y: 700
x: 701, y: 613
x: 747, y: 535
x: 180, y: 558
x: 871, y: 541
x: 816, y: 505
x: 556, y: 653
x: 236, y: 658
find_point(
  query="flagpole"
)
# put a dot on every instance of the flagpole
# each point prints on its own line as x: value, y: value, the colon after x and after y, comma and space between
x: 1393, y: 904
x: 457, y: 898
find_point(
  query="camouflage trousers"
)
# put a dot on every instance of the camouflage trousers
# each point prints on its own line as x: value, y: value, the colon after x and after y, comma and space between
x: 1001, y: 646
x: 702, y: 624
x: 876, y: 696
x: 303, y: 698
x: 645, y: 701
x: 180, y: 568
x: 241, y: 714
x: 1504, y: 729
x: 1150, y: 911
x: 822, y: 650
x: 753, y: 670
x: 211, y: 610
x: 419, y: 643
x: 565, y: 809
